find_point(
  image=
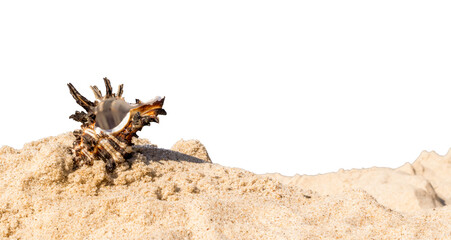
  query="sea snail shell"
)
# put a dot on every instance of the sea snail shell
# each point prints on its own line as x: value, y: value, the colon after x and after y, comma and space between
x: 109, y: 124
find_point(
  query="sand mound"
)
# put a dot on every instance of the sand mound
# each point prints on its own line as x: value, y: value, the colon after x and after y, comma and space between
x: 168, y: 194
x: 192, y: 148
x: 394, y: 189
x: 425, y: 184
x: 436, y: 169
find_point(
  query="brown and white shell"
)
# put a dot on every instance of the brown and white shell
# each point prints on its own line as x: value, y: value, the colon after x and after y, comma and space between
x: 109, y: 124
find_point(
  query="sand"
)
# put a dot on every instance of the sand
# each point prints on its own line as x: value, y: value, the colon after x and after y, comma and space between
x: 180, y: 194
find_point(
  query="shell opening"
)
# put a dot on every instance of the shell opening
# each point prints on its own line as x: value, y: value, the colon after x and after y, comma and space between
x: 110, y: 113
x: 119, y: 127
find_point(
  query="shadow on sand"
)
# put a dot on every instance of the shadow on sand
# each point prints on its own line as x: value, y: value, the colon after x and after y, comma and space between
x: 153, y: 153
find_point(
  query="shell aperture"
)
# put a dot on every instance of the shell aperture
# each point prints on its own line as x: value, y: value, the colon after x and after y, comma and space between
x: 111, y: 112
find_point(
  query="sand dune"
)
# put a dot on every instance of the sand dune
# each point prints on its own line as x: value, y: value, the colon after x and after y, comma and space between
x: 425, y: 184
x: 180, y: 194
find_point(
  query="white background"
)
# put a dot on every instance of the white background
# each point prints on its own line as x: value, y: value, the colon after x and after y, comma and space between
x: 269, y: 86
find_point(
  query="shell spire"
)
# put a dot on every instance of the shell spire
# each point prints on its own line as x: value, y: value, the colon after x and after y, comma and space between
x: 109, y: 124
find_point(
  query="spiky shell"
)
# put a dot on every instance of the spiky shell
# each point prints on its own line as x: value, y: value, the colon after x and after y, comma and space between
x: 109, y: 124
